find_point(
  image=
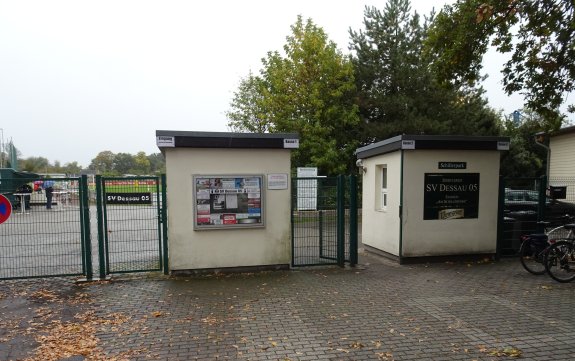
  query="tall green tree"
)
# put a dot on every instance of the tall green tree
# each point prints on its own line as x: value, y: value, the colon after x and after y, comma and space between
x: 525, y: 158
x: 157, y: 163
x: 103, y: 163
x: 123, y: 163
x: 398, y: 92
x: 539, y: 36
x: 141, y: 164
x: 72, y: 168
x: 35, y: 164
x: 249, y: 113
x: 308, y: 90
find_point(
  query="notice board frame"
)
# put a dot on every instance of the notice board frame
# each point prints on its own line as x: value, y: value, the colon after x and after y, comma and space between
x: 228, y: 201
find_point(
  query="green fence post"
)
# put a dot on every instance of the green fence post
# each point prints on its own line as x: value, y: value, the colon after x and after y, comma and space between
x: 541, y: 203
x: 340, y: 220
x: 353, y: 220
x: 320, y: 219
x: 165, y: 225
x: 85, y: 227
x: 101, y: 231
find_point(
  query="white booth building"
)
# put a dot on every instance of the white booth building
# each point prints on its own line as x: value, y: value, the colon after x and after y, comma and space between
x: 429, y: 196
x: 228, y: 199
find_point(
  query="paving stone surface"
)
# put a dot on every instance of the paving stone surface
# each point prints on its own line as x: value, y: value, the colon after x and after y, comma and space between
x: 376, y: 311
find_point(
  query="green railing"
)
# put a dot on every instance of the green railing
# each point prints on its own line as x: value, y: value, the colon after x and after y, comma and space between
x: 42, y: 241
x: 324, y: 221
x: 524, y: 202
x: 129, y: 210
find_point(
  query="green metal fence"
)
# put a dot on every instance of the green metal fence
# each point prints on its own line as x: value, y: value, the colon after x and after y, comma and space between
x: 38, y: 242
x: 116, y: 225
x: 129, y: 223
x: 525, y: 202
x: 324, y: 221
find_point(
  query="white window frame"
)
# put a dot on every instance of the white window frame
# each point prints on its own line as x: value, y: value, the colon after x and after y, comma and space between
x: 384, y: 200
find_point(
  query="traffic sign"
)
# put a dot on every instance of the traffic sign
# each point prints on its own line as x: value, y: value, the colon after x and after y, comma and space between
x: 5, y: 209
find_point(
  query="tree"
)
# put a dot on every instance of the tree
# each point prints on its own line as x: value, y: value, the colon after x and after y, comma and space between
x: 103, y: 163
x: 141, y: 164
x: 35, y: 164
x: 123, y: 163
x: 538, y: 34
x: 249, y: 113
x: 310, y: 91
x: 157, y: 163
x: 72, y: 168
x: 525, y: 158
x: 398, y: 93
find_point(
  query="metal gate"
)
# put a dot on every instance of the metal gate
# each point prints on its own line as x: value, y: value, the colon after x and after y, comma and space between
x: 523, y: 202
x: 128, y: 234
x: 130, y: 213
x: 42, y: 238
x: 324, y: 221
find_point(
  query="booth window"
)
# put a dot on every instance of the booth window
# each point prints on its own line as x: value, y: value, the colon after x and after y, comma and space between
x: 381, y: 188
x: 384, y: 188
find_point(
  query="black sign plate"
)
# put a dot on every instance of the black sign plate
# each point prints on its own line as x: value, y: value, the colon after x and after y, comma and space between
x: 451, y: 196
x: 129, y: 198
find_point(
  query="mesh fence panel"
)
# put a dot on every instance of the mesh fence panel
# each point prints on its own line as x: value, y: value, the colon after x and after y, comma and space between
x: 314, y: 226
x: 132, y: 228
x: 36, y: 241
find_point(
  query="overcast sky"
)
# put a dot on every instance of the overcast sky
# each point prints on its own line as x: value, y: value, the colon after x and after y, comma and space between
x: 80, y: 77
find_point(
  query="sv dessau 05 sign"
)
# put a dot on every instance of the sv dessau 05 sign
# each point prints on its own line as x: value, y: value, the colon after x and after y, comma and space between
x: 129, y: 198
x: 451, y: 196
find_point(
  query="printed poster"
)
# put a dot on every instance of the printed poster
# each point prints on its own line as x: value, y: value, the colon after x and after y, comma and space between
x: 228, y: 201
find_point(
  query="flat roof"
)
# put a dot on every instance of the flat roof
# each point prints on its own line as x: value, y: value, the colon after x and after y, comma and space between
x: 191, y: 139
x: 437, y: 142
x: 565, y: 130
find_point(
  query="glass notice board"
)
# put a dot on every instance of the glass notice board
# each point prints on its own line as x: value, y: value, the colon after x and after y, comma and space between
x: 228, y: 201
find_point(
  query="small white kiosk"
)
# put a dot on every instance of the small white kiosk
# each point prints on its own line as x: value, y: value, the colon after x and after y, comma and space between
x: 430, y: 196
x: 228, y: 198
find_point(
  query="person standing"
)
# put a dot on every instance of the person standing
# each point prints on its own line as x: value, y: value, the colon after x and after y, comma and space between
x: 48, y: 187
x: 25, y: 189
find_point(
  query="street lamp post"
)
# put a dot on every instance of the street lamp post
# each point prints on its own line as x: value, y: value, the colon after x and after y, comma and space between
x: 540, y: 140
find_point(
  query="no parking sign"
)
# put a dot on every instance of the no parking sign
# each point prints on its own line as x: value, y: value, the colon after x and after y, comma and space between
x: 5, y: 209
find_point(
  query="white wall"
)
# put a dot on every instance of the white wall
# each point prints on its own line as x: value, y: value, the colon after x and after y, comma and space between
x: 380, y: 229
x: 562, y: 156
x: 456, y: 236
x: 199, y: 249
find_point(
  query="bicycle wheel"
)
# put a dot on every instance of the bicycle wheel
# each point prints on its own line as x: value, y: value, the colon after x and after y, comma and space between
x: 560, y: 261
x: 531, y: 256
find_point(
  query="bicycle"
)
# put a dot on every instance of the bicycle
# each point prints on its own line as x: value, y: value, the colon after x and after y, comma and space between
x: 560, y: 257
x: 534, y: 247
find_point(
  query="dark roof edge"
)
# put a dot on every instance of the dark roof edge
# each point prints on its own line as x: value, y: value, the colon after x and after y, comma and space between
x: 185, y: 139
x: 566, y: 130
x: 194, y: 134
x: 438, y: 142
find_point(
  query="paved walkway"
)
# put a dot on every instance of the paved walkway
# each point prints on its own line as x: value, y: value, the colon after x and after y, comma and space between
x: 378, y: 311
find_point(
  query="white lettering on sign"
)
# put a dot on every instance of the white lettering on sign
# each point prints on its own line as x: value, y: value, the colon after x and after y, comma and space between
x: 408, y: 144
x: 291, y: 143
x: 165, y: 141
x: 502, y: 145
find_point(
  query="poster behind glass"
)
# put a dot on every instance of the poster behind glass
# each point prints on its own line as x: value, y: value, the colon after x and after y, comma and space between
x: 228, y: 201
